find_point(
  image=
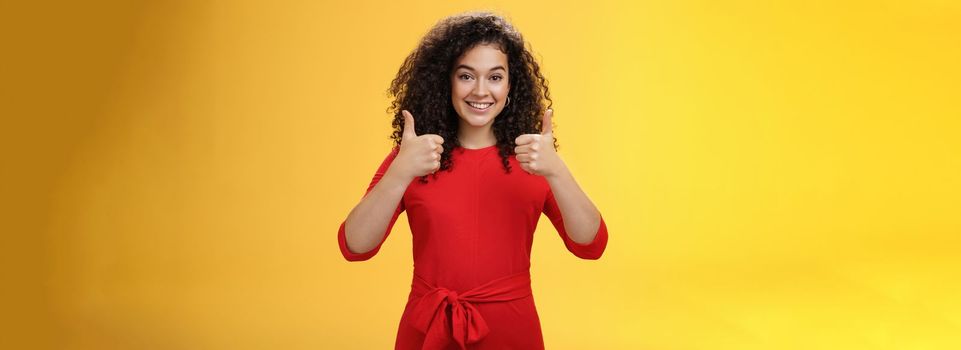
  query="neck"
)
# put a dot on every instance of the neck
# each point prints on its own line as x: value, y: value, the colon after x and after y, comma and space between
x: 475, y: 137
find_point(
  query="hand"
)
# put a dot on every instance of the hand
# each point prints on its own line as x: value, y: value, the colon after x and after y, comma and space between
x: 419, y: 155
x: 536, y: 152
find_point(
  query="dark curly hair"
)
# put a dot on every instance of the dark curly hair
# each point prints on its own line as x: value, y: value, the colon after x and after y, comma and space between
x: 423, y: 87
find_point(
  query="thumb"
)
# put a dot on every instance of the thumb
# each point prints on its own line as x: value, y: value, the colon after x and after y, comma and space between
x: 546, y: 127
x: 409, y: 132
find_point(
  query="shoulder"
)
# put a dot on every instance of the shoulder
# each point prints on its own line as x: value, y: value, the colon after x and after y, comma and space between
x: 390, y: 157
x: 393, y: 152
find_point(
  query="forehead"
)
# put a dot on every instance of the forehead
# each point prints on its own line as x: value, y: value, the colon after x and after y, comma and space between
x: 483, y: 57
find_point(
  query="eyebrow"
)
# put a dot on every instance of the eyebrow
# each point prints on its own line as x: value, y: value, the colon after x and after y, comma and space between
x: 472, y: 68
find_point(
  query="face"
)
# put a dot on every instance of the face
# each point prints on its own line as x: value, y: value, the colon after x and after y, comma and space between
x: 479, y: 85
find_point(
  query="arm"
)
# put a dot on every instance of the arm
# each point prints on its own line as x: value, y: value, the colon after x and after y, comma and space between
x: 581, y: 217
x: 573, y: 215
x: 369, y: 222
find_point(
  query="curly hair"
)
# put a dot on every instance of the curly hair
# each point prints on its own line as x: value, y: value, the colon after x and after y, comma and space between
x: 423, y: 87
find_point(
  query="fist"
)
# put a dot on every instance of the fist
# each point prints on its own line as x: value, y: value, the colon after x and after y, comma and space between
x: 419, y: 155
x: 535, y: 152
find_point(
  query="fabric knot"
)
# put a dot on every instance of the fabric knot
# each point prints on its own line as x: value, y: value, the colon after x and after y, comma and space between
x: 452, y: 298
x: 464, y: 325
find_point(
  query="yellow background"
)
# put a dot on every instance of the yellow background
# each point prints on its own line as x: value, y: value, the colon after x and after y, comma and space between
x: 774, y: 175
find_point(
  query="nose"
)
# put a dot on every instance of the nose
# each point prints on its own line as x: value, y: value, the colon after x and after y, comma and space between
x: 480, y: 89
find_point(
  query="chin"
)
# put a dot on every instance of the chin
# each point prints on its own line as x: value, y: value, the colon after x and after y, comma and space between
x: 477, y: 120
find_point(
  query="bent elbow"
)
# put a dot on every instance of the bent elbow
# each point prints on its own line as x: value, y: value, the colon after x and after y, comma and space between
x: 590, y: 255
x: 352, y: 257
x: 587, y: 252
x: 594, y: 249
x: 346, y: 252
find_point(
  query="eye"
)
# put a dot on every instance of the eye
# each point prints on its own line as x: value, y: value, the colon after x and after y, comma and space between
x: 465, y: 77
x: 497, y: 78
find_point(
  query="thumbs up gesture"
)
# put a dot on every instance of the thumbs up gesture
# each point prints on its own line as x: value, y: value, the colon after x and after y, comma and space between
x: 419, y: 155
x: 536, y: 153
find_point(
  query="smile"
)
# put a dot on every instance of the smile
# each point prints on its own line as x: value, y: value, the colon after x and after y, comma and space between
x: 480, y: 106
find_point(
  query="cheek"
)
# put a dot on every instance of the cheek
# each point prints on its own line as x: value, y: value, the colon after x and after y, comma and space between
x: 502, y: 89
x: 501, y: 92
x: 459, y: 90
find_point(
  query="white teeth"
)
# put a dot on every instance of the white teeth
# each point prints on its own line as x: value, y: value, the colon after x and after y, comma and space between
x: 480, y: 105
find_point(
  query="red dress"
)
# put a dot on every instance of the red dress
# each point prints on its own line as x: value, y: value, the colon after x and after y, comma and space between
x: 472, y: 231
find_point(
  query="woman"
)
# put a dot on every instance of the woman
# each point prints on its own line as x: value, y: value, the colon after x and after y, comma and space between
x: 468, y: 111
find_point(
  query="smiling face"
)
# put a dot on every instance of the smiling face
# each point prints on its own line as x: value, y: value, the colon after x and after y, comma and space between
x: 479, y: 85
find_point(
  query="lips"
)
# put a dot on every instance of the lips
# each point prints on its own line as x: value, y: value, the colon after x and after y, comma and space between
x: 480, y: 106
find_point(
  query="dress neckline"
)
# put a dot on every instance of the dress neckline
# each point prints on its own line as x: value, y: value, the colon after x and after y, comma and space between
x: 475, y: 150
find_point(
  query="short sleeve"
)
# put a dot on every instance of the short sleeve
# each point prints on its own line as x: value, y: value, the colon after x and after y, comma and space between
x: 592, y: 250
x: 341, y: 235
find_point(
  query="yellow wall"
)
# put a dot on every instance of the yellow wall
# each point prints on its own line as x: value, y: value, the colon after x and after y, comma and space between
x: 774, y: 176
